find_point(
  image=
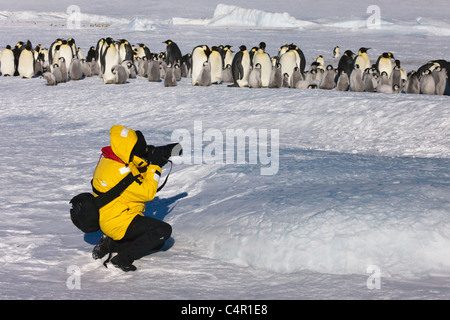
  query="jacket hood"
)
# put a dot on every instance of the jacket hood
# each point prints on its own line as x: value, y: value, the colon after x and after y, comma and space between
x: 123, y: 141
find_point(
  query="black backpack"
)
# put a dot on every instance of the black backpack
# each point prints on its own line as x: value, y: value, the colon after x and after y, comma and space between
x: 85, y: 207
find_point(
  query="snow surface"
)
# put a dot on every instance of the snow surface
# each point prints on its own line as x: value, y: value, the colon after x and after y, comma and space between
x: 362, y: 180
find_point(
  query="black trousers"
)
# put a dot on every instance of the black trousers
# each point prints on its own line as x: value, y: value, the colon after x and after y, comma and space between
x: 143, y: 235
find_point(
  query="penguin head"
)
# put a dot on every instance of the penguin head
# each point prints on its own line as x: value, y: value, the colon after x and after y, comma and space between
x: 363, y: 50
x: 262, y: 45
x: 329, y: 67
x: 168, y: 42
x: 243, y: 48
x: 349, y: 53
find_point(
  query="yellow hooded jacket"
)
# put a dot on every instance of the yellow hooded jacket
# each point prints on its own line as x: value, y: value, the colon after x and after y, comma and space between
x: 116, y: 216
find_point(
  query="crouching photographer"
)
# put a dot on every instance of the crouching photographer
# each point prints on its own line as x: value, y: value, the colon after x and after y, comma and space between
x: 126, y: 231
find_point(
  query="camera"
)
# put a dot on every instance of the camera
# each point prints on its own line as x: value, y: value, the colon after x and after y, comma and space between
x: 166, y: 151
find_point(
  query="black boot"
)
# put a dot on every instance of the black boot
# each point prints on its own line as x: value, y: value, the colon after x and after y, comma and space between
x: 122, y: 263
x: 103, y: 247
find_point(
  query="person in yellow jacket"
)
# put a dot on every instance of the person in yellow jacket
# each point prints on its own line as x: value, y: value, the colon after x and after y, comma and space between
x: 126, y: 230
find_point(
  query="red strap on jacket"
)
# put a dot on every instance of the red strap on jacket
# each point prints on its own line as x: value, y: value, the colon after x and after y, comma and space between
x: 108, y: 153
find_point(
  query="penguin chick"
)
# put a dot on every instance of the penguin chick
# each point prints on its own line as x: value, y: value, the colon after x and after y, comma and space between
x: 204, y: 78
x: 276, y: 79
x: 75, y: 69
x: 286, y: 82
x: 356, y: 83
x: 440, y: 79
x: 343, y: 82
x: 227, y: 76
x: 427, y: 83
x: 50, y: 77
x: 413, y: 83
x: 170, y: 79
x: 120, y: 74
x: 254, y: 78
x: 327, y: 81
x: 57, y: 73
x: 153, y: 72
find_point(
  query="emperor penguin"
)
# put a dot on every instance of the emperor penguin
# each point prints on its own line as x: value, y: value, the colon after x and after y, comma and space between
x: 71, y: 42
x: 64, y: 70
x: 320, y: 62
x: 7, y: 62
x: 65, y: 51
x: 199, y: 57
x: 92, y: 54
x: 153, y: 71
x: 362, y: 59
x: 80, y: 53
x: 254, y: 78
x: 170, y: 79
x: 276, y: 78
x: 440, y: 79
x: 427, y: 83
x: 289, y: 60
x: 26, y: 63
x: 384, y: 63
x: 327, y: 81
x: 343, y: 81
x: 356, y: 83
x: 120, y: 74
x: 173, y: 52
x: 143, y: 51
x: 109, y: 59
x: 75, y: 69
x: 204, y: 78
x: 346, y: 62
x: 241, y: 67
x: 125, y: 51
x: 413, y: 83
x: 227, y: 55
x: 54, y: 47
x: 215, y: 63
x: 99, y: 51
x: 336, y: 52
x: 50, y: 77
x: 262, y: 58
x: 227, y: 75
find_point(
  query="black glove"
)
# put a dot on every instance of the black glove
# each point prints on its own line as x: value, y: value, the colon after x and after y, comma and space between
x: 155, y: 156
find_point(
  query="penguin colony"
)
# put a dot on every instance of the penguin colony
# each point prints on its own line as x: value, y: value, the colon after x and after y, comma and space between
x: 116, y: 61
